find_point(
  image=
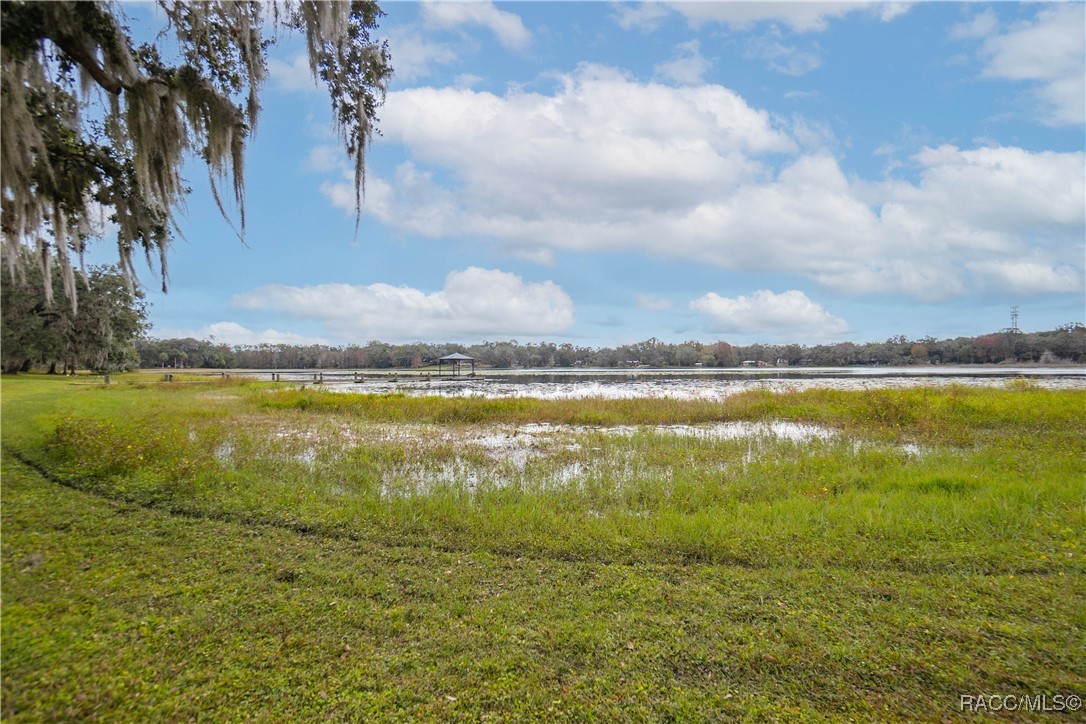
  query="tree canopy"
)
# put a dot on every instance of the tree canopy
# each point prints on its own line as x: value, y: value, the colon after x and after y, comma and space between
x: 101, y: 335
x: 96, y: 124
x: 1065, y: 344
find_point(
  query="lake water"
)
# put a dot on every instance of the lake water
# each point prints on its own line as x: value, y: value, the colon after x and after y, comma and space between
x: 700, y: 384
x: 558, y: 456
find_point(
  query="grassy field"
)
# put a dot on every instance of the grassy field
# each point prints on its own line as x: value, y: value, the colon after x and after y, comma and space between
x: 228, y: 549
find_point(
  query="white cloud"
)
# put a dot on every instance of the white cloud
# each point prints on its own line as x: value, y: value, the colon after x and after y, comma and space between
x: 800, y: 17
x: 233, y: 333
x: 605, y: 163
x: 293, y: 76
x: 933, y: 280
x: 431, y: 211
x: 653, y: 303
x: 506, y: 26
x: 980, y: 25
x: 788, y: 314
x: 787, y: 59
x: 645, y: 16
x: 415, y: 55
x: 813, y: 134
x: 473, y: 302
x: 1050, y: 52
x: 467, y: 80
x: 325, y: 159
x: 1001, y: 188
x: 888, y: 11
x: 601, y: 143
x: 970, y: 207
x: 688, y: 66
x: 1027, y: 278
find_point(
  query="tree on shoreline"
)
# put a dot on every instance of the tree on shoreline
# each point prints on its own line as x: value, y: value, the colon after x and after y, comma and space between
x: 100, y: 335
x: 96, y: 122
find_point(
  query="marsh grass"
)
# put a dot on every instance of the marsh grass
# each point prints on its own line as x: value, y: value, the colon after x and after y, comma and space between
x: 512, y: 549
x: 947, y: 479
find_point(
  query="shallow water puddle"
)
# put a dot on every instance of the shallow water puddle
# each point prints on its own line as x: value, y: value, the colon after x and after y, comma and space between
x: 409, y: 480
x: 476, y: 457
x: 509, y: 441
x: 794, y: 431
x: 521, y: 452
x: 522, y: 436
x: 224, y: 453
x: 516, y: 443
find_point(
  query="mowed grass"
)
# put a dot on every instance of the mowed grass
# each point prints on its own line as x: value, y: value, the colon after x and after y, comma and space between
x: 236, y: 550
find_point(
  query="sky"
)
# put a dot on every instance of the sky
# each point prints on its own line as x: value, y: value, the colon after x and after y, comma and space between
x: 603, y: 173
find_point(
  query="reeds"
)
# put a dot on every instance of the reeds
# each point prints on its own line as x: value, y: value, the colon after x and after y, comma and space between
x: 929, y: 479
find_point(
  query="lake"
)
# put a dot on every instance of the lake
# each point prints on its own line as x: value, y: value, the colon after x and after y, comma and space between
x: 687, y: 384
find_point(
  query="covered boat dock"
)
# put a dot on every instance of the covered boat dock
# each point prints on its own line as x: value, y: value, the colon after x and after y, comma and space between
x: 456, y: 360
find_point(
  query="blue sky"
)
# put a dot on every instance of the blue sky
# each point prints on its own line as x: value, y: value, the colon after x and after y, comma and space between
x: 602, y: 173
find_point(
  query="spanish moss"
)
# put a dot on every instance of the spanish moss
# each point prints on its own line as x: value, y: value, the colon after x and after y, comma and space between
x: 98, y: 124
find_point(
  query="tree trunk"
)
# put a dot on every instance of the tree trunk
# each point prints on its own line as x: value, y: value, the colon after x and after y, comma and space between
x: 52, y: 367
x: 12, y: 367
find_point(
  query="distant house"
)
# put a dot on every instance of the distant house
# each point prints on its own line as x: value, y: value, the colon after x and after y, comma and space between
x: 753, y: 363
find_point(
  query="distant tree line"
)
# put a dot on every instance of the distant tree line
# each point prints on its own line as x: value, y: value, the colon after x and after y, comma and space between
x: 1065, y: 344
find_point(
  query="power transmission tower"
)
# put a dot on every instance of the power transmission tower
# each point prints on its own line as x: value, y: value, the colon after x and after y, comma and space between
x: 1014, y: 320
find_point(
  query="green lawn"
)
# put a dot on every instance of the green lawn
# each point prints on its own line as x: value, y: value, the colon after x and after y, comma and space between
x: 229, y: 550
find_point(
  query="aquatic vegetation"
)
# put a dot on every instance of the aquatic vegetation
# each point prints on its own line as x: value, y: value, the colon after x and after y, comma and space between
x: 756, y: 477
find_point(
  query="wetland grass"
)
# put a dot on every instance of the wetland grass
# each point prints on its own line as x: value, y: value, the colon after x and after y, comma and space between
x: 544, y: 558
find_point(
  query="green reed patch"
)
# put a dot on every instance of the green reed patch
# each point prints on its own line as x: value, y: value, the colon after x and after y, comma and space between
x: 937, y: 478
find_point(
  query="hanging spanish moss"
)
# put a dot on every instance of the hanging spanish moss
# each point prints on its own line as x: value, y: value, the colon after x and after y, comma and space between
x: 94, y: 123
